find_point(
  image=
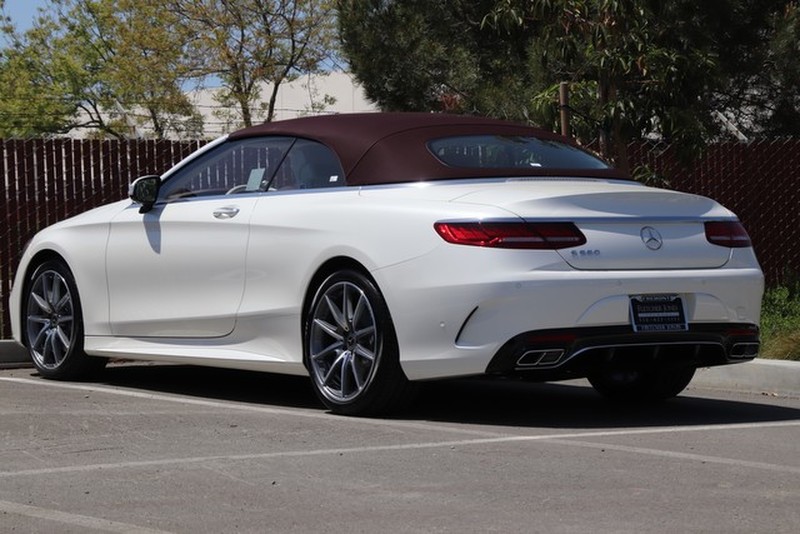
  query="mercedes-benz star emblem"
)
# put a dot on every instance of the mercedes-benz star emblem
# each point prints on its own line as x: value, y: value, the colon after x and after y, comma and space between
x: 651, y: 238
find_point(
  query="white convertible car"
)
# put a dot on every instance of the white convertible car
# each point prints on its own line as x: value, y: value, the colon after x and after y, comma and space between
x: 371, y: 251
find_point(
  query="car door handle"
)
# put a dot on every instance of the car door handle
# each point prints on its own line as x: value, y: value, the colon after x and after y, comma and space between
x: 228, y: 212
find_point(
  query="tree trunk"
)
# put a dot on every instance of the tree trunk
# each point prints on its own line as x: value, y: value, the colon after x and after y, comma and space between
x: 613, y: 146
x: 244, y: 106
x: 273, y: 98
x: 158, y: 127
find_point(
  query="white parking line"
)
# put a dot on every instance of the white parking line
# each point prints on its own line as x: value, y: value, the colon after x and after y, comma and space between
x: 76, y: 520
x: 231, y: 405
x: 681, y: 455
x: 427, y: 445
x: 566, y: 438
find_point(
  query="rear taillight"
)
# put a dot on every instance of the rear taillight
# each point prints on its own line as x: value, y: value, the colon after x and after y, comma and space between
x: 727, y: 234
x: 519, y: 235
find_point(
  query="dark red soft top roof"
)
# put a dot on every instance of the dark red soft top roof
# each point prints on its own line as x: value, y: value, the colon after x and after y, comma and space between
x: 382, y: 148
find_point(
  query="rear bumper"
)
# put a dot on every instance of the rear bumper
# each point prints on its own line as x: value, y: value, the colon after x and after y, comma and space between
x: 579, y: 352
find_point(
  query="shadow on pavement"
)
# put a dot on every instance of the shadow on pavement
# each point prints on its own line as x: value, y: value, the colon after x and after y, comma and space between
x: 566, y: 405
x: 466, y: 401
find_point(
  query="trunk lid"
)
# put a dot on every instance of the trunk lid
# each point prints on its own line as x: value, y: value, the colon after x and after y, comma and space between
x: 627, y: 226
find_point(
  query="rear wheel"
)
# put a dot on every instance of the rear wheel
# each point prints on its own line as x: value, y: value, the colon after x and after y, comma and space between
x: 646, y: 384
x: 53, y: 325
x: 350, y: 347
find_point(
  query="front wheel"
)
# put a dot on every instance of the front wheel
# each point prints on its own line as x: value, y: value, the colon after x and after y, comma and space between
x: 54, y: 326
x: 646, y: 384
x: 350, y: 347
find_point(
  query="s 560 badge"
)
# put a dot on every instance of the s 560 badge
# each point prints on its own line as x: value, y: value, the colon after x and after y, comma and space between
x: 588, y: 253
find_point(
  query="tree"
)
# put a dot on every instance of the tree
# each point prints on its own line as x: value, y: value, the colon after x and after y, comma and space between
x: 647, y: 65
x: 783, y: 117
x: 250, y: 42
x: 111, y: 65
x: 33, y: 101
x: 148, y: 67
x: 420, y: 55
x: 764, y: 97
x: 122, y: 66
x: 635, y: 67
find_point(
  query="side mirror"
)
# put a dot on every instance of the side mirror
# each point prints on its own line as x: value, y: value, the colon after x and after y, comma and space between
x: 144, y: 191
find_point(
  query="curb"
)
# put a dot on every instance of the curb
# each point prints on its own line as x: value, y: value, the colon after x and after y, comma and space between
x: 758, y: 376
x: 13, y: 355
x: 777, y: 377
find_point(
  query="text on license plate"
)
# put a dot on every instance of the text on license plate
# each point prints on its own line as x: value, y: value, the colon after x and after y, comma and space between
x: 657, y: 313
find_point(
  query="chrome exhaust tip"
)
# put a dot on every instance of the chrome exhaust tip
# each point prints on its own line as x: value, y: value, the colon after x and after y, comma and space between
x: 540, y: 358
x: 745, y: 350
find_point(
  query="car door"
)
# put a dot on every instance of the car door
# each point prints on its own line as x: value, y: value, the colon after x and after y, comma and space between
x: 179, y: 269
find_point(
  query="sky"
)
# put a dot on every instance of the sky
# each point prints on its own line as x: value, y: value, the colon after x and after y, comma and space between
x: 22, y: 12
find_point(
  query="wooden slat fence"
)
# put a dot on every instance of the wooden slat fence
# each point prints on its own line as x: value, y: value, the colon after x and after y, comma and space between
x: 45, y: 181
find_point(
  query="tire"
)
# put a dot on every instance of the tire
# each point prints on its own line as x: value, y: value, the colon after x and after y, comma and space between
x: 642, y: 385
x: 54, y: 325
x: 350, y: 347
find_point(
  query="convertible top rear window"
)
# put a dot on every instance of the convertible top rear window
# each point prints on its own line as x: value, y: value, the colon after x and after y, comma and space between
x: 510, y: 152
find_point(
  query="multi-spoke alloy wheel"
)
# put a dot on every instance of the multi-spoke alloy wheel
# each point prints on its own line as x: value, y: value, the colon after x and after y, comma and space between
x: 343, y: 342
x: 50, y: 319
x: 53, y: 327
x: 350, y: 346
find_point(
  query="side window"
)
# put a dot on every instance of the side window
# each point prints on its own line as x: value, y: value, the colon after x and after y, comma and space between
x: 239, y: 166
x: 308, y: 165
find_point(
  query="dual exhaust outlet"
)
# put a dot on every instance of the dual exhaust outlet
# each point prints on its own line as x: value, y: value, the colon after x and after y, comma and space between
x: 540, y: 358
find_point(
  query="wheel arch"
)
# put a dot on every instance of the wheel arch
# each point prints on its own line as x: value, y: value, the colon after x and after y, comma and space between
x: 387, y: 387
x: 327, y: 268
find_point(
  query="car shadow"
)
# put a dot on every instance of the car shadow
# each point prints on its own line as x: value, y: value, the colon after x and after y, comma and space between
x: 464, y: 401
x: 212, y: 383
x: 575, y: 404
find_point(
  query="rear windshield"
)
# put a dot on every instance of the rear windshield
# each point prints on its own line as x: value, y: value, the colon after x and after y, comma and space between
x: 511, y: 152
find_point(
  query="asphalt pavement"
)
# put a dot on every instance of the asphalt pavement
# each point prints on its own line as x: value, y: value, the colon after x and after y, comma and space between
x: 163, y: 448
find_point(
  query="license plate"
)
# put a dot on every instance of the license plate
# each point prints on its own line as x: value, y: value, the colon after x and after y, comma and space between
x: 658, y: 313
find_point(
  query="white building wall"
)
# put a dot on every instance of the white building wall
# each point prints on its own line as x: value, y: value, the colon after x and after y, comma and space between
x: 303, y: 96
x: 329, y: 93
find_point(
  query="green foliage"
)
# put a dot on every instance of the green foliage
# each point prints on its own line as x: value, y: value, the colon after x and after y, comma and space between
x: 111, y: 65
x: 415, y: 54
x: 780, y: 83
x: 649, y: 176
x: 650, y: 65
x: 635, y: 67
x: 121, y: 67
x: 780, y: 322
x: 33, y: 102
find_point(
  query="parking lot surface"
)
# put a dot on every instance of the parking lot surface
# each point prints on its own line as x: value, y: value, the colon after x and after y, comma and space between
x: 157, y: 448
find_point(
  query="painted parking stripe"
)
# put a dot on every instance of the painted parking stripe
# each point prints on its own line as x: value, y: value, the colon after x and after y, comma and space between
x: 679, y: 455
x: 566, y: 438
x: 75, y: 520
x: 296, y: 412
